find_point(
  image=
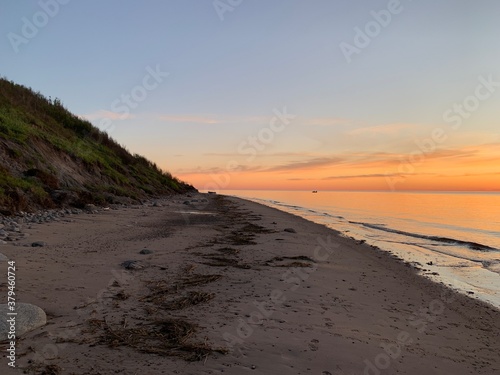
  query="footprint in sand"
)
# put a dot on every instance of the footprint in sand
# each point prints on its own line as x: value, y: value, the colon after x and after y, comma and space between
x: 313, y: 345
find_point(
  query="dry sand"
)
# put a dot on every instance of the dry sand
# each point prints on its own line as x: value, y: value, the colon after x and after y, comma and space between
x: 227, y: 285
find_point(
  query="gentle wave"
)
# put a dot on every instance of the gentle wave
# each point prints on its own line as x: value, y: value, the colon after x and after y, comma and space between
x: 471, y: 245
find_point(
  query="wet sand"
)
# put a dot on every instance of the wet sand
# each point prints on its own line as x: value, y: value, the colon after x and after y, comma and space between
x: 226, y: 289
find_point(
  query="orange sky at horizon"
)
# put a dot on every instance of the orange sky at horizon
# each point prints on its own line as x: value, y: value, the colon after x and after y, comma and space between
x: 465, y: 169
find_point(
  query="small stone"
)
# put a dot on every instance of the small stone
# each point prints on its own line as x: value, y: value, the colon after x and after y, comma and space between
x: 146, y: 252
x: 290, y: 230
x: 28, y: 318
x: 38, y: 244
x: 133, y: 265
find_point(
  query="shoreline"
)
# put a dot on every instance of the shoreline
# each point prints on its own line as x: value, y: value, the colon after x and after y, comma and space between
x: 305, y: 300
x: 471, y: 270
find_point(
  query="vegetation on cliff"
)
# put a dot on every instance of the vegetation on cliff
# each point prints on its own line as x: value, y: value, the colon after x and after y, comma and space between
x: 50, y: 157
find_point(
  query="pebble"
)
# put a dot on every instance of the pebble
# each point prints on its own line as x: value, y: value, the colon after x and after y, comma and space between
x: 290, y: 230
x: 133, y: 265
x: 12, y: 224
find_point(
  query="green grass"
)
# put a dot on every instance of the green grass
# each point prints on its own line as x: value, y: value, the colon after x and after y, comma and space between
x: 30, y: 122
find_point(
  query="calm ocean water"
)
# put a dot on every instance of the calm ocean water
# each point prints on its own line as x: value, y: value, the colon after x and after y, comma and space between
x: 458, y: 232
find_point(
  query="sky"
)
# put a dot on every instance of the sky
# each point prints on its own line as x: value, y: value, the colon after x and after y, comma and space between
x: 283, y: 94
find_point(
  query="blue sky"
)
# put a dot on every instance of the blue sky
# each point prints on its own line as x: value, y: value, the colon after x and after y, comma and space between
x: 227, y: 76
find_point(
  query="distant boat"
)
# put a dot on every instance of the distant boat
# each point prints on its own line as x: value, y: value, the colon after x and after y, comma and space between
x: 315, y: 191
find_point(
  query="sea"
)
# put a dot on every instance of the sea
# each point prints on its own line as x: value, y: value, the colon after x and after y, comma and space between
x: 453, y: 237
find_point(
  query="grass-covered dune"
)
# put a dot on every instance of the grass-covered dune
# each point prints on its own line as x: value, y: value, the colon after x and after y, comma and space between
x: 51, y: 158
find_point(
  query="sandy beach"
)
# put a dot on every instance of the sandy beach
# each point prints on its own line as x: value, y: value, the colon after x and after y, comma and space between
x: 224, y: 285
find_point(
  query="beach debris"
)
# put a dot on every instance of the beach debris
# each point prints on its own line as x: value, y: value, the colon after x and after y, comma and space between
x: 38, y: 244
x: 28, y: 318
x: 216, y: 261
x: 189, y: 268
x: 164, y: 337
x: 162, y: 294
x: 253, y: 228
x: 121, y: 295
x: 159, y: 289
x: 133, y: 265
x: 191, y: 299
x: 238, y: 238
x: 39, y: 368
x: 228, y: 251
x: 198, y: 279
x: 429, y: 263
x: 290, y: 230
x: 146, y: 252
x: 298, y: 261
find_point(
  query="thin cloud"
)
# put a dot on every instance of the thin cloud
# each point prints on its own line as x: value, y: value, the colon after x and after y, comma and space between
x: 190, y: 119
x: 471, y: 174
x: 103, y: 114
x: 313, y: 163
x: 218, y: 170
x: 211, y: 119
x: 326, y: 121
x: 386, y: 129
x: 376, y: 175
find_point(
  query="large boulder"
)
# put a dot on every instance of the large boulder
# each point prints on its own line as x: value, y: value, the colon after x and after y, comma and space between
x: 28, y: 318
